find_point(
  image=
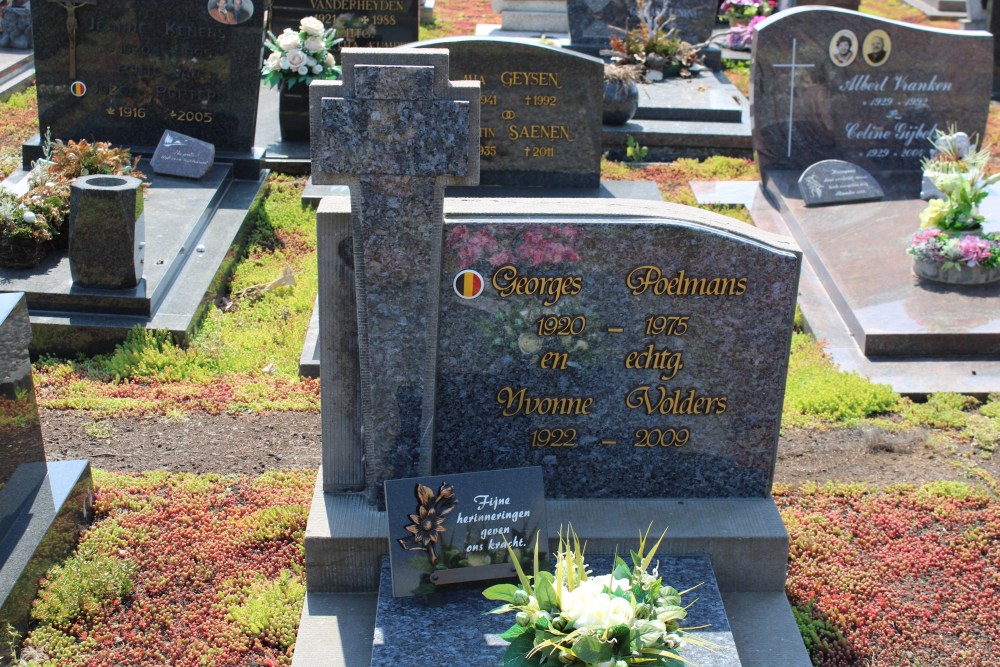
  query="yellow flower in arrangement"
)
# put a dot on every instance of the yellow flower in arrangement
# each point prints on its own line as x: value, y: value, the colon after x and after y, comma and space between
x: 935, y: 213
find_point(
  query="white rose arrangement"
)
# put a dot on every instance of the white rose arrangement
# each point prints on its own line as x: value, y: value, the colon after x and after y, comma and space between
x: 571, y: 619
x: 301, y: 56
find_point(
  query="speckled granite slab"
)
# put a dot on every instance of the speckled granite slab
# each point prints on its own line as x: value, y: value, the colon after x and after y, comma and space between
x: 409, y: 633
x: 629, y: 358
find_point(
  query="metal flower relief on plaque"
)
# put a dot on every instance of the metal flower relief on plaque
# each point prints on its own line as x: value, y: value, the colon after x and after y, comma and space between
x: 427, y: 524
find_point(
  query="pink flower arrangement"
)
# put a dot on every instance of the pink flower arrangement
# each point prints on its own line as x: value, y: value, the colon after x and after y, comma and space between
x: 551, y: 244
x: 955, y: 252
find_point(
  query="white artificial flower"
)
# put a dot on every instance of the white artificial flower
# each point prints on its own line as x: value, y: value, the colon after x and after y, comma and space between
x: 317, y: 69
x: 330, y: 62
x: 312, y: 26
x: 620, y: 612
x: 314, y: 45
x: 595, y: 612
x: 274, y: 61
x: 296, y: 60
x: 289, y: 41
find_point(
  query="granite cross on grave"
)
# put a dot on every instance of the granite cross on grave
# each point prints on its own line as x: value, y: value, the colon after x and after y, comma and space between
x: 71, y: 27
x: 793, y: 67
x: 396, y: 131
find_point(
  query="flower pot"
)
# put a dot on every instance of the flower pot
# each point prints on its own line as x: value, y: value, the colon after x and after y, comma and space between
x: 21, y: 253
x: 967, y: 275
x: 621, y: 101
x: 293, y: 112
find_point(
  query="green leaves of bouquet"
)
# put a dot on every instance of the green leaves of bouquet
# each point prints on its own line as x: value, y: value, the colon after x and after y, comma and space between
x: 570, y: 618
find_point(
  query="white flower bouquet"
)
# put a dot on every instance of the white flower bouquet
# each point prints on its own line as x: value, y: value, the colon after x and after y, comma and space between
x: 570, y: 618
x: 301, y: 56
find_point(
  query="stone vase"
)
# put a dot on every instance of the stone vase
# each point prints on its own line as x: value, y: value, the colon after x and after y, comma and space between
x: 293, y: 112
x: 621, y: 101
x: 106, y: 231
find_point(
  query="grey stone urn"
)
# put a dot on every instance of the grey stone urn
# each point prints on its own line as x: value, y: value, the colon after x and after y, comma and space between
x: 106, y: 231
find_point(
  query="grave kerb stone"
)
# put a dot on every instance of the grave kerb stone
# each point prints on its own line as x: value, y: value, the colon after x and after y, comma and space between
x: 389, y: 183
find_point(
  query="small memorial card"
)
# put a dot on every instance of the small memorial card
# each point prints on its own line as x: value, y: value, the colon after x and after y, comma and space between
x: 455, y: 528
x: 837, y: 182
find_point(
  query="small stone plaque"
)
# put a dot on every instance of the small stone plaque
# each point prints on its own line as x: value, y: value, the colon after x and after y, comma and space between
x: 832, y: 84
x: 125, y: 70
x: 539, y: 124
x: 627, y: 358
x: 362, y: 23
x: 837, y: 182
x: 180, y: 155
x: 451, y: 529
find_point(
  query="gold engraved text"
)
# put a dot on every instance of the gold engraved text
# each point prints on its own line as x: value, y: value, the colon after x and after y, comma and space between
x: 650, y: 279
x: 518, y: 402
x: 507, y: 282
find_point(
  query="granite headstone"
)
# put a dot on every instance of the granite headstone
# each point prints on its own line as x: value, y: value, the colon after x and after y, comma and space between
x: 362, y: 23
x: 837, y: 182
x: 20, y: 430
x: 396, y: 131
x: 646, y: 357
x: 180, y: 155
x: 541, y: 114
x: 124, y: 71
x: 834, y: 84
x: 590, y: 21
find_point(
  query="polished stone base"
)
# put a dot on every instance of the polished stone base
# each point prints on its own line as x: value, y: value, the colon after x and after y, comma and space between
x: 42, y: 510
x: 881, y: 276
x: 473, y: 634
x: 190, y: 228
x: 744, y: 538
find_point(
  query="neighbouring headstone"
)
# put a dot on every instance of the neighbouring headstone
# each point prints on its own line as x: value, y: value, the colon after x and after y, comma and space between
x: 15, y: 25
x: 589, y: 20
x: 106, y: 231
x: 540, y: 123
x: 20, y: 431
x: 42, y: 505
x: 124, y: 71
x: 396, y: 131
x: 455, y: 529
x: 362, y: 23
x: 835, y: 84
x: 532, y: 16
x: 837, y: 182
x: 180, y: 155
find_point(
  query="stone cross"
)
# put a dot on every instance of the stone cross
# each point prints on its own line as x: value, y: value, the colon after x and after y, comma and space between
x: 396, y: 131
x: 71, y: 27
x: 793, y: 67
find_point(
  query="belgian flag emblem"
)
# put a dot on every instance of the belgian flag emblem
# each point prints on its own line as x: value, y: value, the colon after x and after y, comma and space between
x: 468, y: 284
x: 78, y: 88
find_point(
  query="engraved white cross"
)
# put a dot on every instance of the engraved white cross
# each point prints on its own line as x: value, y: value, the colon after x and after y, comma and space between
x: 791, y: 96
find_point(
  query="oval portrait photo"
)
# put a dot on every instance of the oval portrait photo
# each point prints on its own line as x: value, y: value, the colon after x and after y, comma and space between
x: 843, y: 48
x: 230, y: 12
x: 877, y: 47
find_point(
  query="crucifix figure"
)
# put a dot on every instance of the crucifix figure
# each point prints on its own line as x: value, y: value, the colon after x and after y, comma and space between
x: 396, y: 132
x: 793, y: 66
x: 71, y: 26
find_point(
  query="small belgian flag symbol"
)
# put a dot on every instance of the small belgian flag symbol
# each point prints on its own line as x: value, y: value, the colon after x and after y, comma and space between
x: 78, y: 88
x: 468, y: 284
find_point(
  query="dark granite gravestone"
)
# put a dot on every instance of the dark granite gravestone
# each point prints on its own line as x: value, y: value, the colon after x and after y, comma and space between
x: 42, y: 505
x: 837, y: 182
x: 541, y: 114
x: 124, y: 70
x: 589, y: 20
x: 860, y: 294
x: 180, y: 155
x: 874, y: 106
x: 362, y: 23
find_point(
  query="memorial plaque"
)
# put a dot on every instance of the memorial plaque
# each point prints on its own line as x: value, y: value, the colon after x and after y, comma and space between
x: 180, y: 155
x: 451, y: 529
x: 541, y: 112
x: 837, y: 182
x: 589, y: 20
x: 125, y: 71
x: 627, y: 358
x: 362, y: 23
x: 833, y: 84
